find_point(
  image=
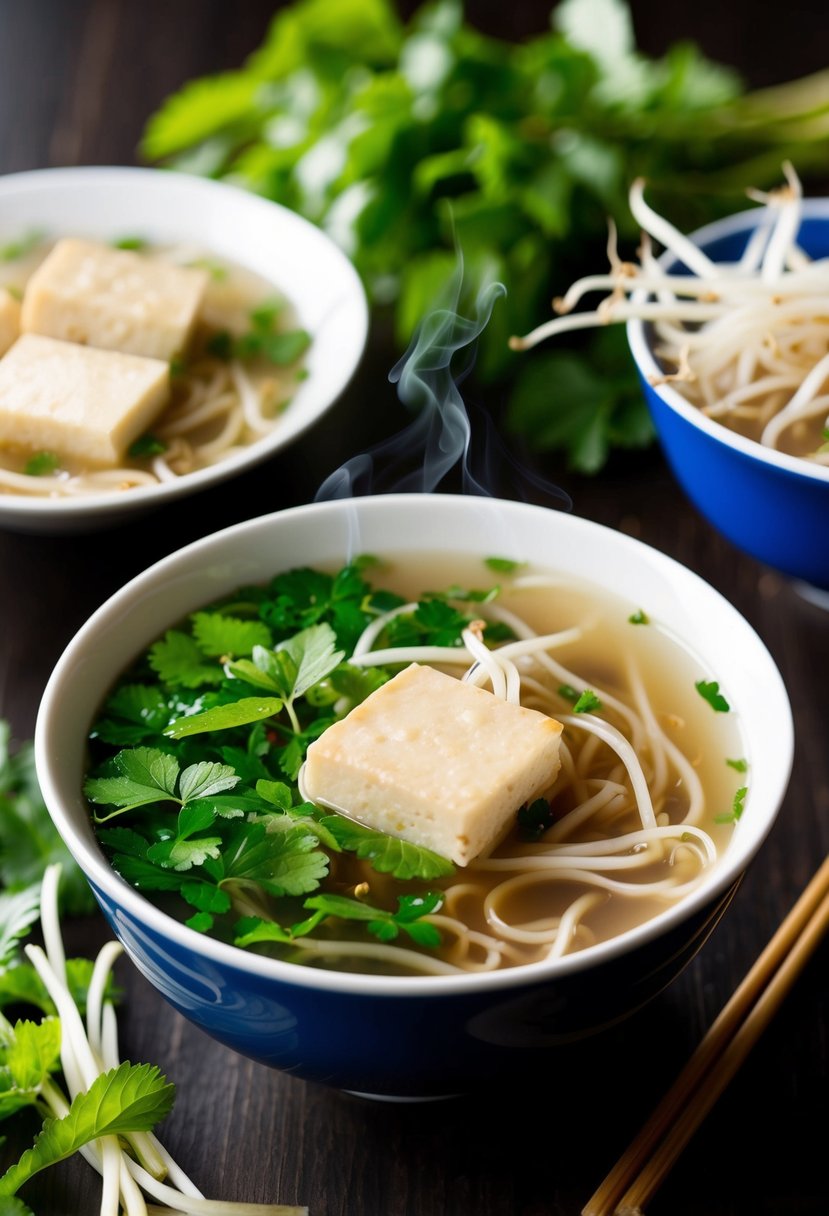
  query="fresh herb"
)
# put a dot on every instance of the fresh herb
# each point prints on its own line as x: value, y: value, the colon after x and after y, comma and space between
x: 41, y: 464
x: 423, y: 133
x: 535, y: 818
x: 119, y: 1101
x: 737, y: 807
x: 502, y: 565
x: 196, y: 752
x: 587, y: 703
x: 29, y: 841
x: 263, y: 340
x: 147, y: 445
x: 19, y: 248
x: 136, y: 243
x: 216, y: 270
x: 639, y: 618
x: 740, y: 766
x: 568, y: 692
x: 709, y: 690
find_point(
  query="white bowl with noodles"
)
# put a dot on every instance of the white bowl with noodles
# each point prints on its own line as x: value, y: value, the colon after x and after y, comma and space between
x: 458, y: 1021
x: 225, y: 228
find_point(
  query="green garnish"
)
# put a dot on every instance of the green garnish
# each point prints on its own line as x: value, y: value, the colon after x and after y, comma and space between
x: 502, y: 565
x: 130, y: 243
x: 568, y: 692
x: 535, y: 818
x: 639, y: 618
x: 709, y: 690
x: 41, y: 464
x: 587, y: 703
x: 737, y: 807
x: 18, y: 249
x: 263, y: 339
x: 741, y: 766
x: 216, y: 270
x: 147, y: 445
x: 527, y: 144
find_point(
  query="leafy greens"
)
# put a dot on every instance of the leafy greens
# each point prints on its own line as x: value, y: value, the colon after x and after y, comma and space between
x: 410, y: 139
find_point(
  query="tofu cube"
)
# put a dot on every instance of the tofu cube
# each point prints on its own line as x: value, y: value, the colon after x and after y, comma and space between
x: 86, y: 405
x: 439, y: 763
x: 9, y: 319
x: 113, y: 299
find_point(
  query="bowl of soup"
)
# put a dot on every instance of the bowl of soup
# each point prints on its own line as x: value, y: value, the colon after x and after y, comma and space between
x: 159, y: 333
x: 404, y: 792
x: 742, y: 413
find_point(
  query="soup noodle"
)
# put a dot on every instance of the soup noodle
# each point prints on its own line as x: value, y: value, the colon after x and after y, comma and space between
x: 645, y: 800
x: 221, y: 401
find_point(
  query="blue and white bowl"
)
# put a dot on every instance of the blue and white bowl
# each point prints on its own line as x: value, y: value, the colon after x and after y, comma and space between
x: 772, y: 506
x: 421, y: 1036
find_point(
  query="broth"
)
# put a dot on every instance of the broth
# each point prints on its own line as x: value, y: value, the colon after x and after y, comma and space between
x: 570, y: 885
x: 224, y: 395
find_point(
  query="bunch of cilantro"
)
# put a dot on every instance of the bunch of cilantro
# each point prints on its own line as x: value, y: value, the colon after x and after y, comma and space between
x: 197, y: 751
x: 409, y: 141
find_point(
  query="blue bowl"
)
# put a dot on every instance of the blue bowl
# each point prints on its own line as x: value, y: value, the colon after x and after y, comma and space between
x: 412, y: 1037
x: 772, y: 506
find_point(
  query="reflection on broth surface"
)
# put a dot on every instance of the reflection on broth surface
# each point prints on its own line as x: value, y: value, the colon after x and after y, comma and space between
x: 651, y: 782
x: 225, y: 386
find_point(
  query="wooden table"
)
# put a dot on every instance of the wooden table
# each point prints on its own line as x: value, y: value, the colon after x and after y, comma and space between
x: 77, y: 80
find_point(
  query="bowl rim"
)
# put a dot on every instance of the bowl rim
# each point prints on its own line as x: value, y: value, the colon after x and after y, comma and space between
x: 722, y: 877
x: 52, y: 180
x: 731, y: 225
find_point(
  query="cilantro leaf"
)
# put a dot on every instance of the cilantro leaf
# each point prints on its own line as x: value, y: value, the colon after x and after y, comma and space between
x: 144, y: 775
x: 737, y: 807
x: 41, y: 464
x: 741, y: 765
x: 387, y: 854
x: 218, y: 635
x: 282, y: 863
x: 133, y: 714
x: 503, y: 565
x: 147, y: 445
x: 709, y: 690
x: 587, y: 703
x: 224, y: 717
x: 19, y: 910
x: 638, y: 618
x: 383, y: 924
x: 179, y: 662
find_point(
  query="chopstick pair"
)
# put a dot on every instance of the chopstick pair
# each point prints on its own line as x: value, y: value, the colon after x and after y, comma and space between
x: 639, y: 1172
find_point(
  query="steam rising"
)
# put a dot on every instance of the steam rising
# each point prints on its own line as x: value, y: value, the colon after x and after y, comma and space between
x: 439, y: 439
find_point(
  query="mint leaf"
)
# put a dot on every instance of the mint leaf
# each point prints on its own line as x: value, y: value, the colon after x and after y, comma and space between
x: 126, y: 1099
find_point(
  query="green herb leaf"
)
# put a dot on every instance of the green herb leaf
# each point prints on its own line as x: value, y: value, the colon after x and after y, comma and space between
x: 178, y: 661
x: 737, y: 807
x: 387, y: 854
x: 19, y: 910
x: 147, y: 445
x: 132, y: 1097
x: 709, y: 690
x: 740, y: 765
x: 218, y: 635
x: 639, y: 618
x: 41, y: 464
x: 145, y: 775
x: 588, y: 703
x: 503, y: 565
x: 225, y: 717
x: 34, y: 1053
x: 135, y: 243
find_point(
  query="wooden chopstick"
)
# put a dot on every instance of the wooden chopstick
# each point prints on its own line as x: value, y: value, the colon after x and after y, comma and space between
x: 643, y: 1166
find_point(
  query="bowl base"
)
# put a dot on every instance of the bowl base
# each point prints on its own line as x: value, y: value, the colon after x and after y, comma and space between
x: 400, y: 1098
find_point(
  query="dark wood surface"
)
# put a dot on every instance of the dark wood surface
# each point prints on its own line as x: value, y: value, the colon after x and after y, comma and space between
x: 77, y: 80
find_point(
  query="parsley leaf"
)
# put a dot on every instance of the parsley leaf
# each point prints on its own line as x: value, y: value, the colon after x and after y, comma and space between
x: 218, y: 635
x: 709, y: 690
x: 639, y: 618
x: 383, y: 924
x: 503, y: 565
x: 387, y: 854
x: 587, y: 703
x: 740, y: 765
x: 179, y: 662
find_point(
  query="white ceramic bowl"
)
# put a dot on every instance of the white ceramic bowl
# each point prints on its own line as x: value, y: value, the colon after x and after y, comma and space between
x: 164, y: 206
x: 424, y: 1035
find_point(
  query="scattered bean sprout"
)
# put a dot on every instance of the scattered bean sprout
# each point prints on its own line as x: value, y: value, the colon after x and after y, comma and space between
x: 747, y: 342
